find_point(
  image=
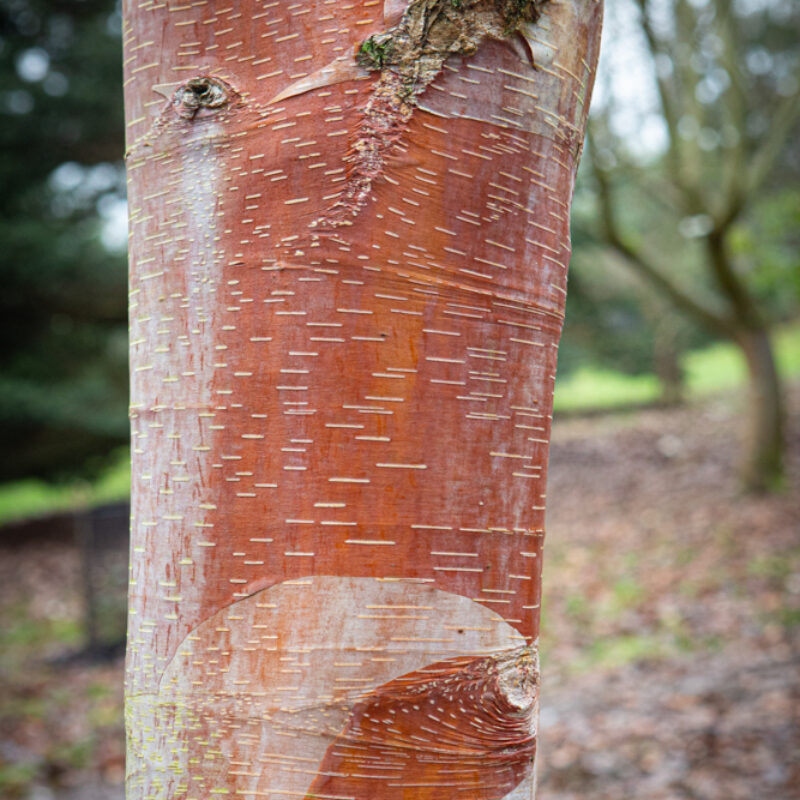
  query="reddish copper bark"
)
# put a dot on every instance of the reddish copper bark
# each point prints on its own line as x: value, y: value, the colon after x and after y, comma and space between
x: 339, y: 432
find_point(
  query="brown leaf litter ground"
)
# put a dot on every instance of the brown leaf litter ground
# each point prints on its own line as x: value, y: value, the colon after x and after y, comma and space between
x: 671, y: 629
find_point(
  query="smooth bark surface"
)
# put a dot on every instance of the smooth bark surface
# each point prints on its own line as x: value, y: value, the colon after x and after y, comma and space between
x: 347, y: 289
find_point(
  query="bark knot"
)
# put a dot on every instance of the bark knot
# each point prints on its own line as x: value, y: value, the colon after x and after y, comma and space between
x: 518, y: 678
x: 197, y: 94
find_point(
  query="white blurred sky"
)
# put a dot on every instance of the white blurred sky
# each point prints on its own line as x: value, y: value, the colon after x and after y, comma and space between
x: 625, y: 79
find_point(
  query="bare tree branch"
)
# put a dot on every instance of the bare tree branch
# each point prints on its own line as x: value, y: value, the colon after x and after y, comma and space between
x: 682, y: 299
x: 729, y: 282
x: 732, y: 195
x: 786, y: 115
x: 685, y: 166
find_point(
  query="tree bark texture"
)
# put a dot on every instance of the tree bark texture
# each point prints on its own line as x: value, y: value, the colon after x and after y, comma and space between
x: 349, y: 242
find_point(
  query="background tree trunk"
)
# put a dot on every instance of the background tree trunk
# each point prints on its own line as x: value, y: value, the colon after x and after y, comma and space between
x: 765, y: 465
x: 741, y: 322
x: 710, y: 189
x: 348, y: 271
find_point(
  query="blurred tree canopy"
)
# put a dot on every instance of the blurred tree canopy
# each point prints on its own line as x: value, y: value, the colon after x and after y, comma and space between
x: 63, y: 350
x: 707, y: 212
x: 694, y: 154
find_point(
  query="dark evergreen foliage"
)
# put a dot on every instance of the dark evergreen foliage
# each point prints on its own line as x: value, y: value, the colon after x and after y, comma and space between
x: 63, y: 374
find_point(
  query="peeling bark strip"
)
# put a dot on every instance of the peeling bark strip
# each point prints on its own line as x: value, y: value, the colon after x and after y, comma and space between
x: 340, y: 432
x: 409, y: 56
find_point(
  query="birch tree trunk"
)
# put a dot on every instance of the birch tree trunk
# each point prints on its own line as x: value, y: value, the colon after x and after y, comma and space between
x: 349, y: 242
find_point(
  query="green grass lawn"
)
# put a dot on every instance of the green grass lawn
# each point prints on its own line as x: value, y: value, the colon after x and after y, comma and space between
x: 717, y: 368
x: 713, y: 369
x: 31, y: 497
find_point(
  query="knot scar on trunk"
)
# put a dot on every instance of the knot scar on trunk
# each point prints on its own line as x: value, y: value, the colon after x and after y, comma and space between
x: 200, y: 94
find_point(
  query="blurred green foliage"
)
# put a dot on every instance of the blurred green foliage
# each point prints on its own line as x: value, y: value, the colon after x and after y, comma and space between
x: 767, y: 245
x: 31, y: 496
x: 63, y: 374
